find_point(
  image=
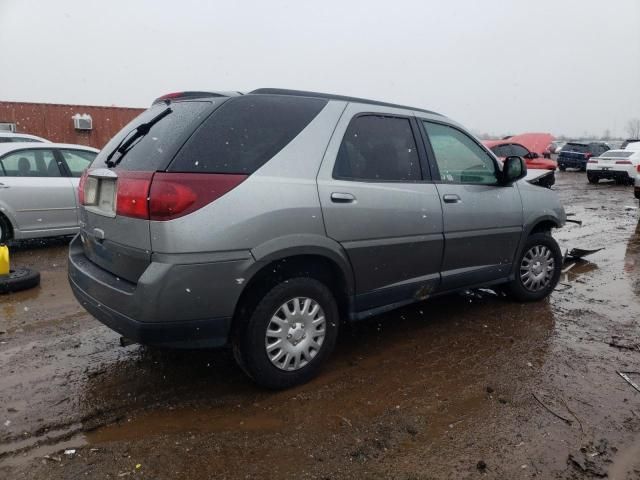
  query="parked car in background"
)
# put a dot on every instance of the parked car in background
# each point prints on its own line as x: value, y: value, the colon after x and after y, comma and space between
x: 618, y: 165
x: 636, y: 188
x: 628, y: 141
x: 9, y: 137
x: 576, y: 154
x: 506, y: 148
x: 38, y: 188
x: 556, y: 146
x: 264, y: 220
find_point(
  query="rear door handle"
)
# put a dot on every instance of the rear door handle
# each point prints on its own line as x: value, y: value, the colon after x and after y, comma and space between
x: 337, y: 197
x: 451, y: 198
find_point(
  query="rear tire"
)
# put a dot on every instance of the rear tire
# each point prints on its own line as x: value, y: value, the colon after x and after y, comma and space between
x: 537, y: 269
x: 5, y: 229
x: 592, y: 178
x: 19, y: 279
x: 284, y: 324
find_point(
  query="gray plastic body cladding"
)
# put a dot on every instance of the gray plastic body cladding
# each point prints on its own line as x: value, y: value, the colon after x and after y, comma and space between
x: 165, y: 292
x: 278, y: 200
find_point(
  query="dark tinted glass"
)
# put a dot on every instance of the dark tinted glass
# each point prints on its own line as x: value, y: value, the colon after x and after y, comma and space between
x: 518, y: 150
x: 378, y: 148
x: 575, y: 147
x: 245, y: 132
x: 155, y: 150
x: 501, y: 150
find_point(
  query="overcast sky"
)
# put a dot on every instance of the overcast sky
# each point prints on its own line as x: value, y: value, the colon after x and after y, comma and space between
x: 496, y: 66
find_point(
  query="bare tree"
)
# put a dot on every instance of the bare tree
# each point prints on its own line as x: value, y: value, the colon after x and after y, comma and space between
x: 633, y: 128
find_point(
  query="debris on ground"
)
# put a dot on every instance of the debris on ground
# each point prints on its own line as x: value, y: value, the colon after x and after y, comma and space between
x: 578, y: 253
x: 627, y: 378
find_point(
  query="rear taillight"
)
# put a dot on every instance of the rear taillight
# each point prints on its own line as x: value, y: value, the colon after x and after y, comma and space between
x: 593, y: 160
x: 83, y: 180
x: 133, y: 194
x: 623, y: 162
x: 638, y: 168
x: 173, y: 195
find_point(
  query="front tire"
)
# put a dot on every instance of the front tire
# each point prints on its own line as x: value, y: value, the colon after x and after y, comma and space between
x: 538, y: 269
x: 290, y: 334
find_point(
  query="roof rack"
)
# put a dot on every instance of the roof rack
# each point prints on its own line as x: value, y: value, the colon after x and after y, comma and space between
x: 330, y: 96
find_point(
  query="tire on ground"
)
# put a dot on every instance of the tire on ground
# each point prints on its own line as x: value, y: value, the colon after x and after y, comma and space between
x: 516, y: 288
x: 19, y: 279
x: 249, y: 344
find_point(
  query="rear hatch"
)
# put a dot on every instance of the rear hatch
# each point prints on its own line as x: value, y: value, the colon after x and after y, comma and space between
x: 576, y: 151
x: 114, y: 191
x: 172, y: 160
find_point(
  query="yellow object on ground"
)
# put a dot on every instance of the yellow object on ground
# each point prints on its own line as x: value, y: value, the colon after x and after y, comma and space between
x: 4, y: 260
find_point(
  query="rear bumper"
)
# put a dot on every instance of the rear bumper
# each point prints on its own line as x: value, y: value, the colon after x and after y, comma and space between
x: 610, y: 174
x: 571, y: 162
x: 178, y: 305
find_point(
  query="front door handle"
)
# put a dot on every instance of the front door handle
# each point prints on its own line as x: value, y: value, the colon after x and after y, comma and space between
x: 338, y: 197
x: 451, y: 198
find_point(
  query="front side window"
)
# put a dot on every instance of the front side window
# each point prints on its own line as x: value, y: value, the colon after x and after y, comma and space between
x: 30, y: 163
x: 77, y: 160
x: 519, y: 151
x: 377, y: 148
x: 459, y: 158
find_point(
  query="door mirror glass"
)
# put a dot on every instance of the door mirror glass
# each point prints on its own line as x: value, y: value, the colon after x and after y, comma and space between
x: 514, y: 169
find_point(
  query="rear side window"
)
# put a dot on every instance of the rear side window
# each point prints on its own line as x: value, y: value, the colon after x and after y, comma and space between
x: 246, y: 132
x: 378, y: 148
x: 30, y: 163
x: 77, y: 160
x: 155, y: 150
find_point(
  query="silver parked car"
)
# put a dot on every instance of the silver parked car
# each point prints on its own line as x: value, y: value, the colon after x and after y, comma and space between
x: 9, y: 137
x: 263, y: 220
x: 38, y: 184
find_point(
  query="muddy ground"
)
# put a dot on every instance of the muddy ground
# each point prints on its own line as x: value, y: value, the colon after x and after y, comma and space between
x: 466, y: 386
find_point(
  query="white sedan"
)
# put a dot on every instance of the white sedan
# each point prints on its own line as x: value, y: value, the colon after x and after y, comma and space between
x: 618, y: 165
x: 38, y: 188
x: 9, y: 137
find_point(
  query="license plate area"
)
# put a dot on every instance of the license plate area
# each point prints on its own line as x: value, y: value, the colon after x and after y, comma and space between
x: 100, y: 195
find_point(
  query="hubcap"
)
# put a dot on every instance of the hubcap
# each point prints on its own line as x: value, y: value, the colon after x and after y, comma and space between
x: 537, y: 268
x: 295, y: 333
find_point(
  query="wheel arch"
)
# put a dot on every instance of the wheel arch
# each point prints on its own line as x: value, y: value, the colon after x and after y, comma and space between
x: 314, y: 256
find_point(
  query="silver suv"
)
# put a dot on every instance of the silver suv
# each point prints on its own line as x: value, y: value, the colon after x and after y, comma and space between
x: 264, y: 220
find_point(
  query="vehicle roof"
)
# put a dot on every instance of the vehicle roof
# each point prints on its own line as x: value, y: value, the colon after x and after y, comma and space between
x: 496, y: 143
x: 331, y: 96
x: 24, y: 135
x: 8, y: 147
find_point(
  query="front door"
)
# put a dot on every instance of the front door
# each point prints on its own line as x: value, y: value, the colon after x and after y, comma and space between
x: 482, y: 219
x: 379, y: 206
x: 35, y: 191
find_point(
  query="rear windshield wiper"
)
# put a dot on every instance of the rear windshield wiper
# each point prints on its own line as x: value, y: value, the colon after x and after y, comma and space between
x: 130, y: 138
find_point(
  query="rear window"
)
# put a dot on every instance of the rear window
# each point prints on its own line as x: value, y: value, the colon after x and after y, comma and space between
x: 155, y: 150
x: 575, y: 147
x: 245, y: 132
x: 610, y: 154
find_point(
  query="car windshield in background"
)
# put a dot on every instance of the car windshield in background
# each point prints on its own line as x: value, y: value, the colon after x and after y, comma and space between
x: 576, y: 147
x: 154, y: 150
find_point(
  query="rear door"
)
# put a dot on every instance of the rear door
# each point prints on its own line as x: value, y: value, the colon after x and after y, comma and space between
x: 482, y: 219
x: 35, y: 189
x: 381, y: 206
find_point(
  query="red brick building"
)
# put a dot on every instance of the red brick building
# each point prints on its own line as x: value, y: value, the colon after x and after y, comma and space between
x: 55, y: 121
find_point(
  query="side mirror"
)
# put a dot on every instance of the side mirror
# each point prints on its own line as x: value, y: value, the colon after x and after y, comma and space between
x: 513, y: 169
